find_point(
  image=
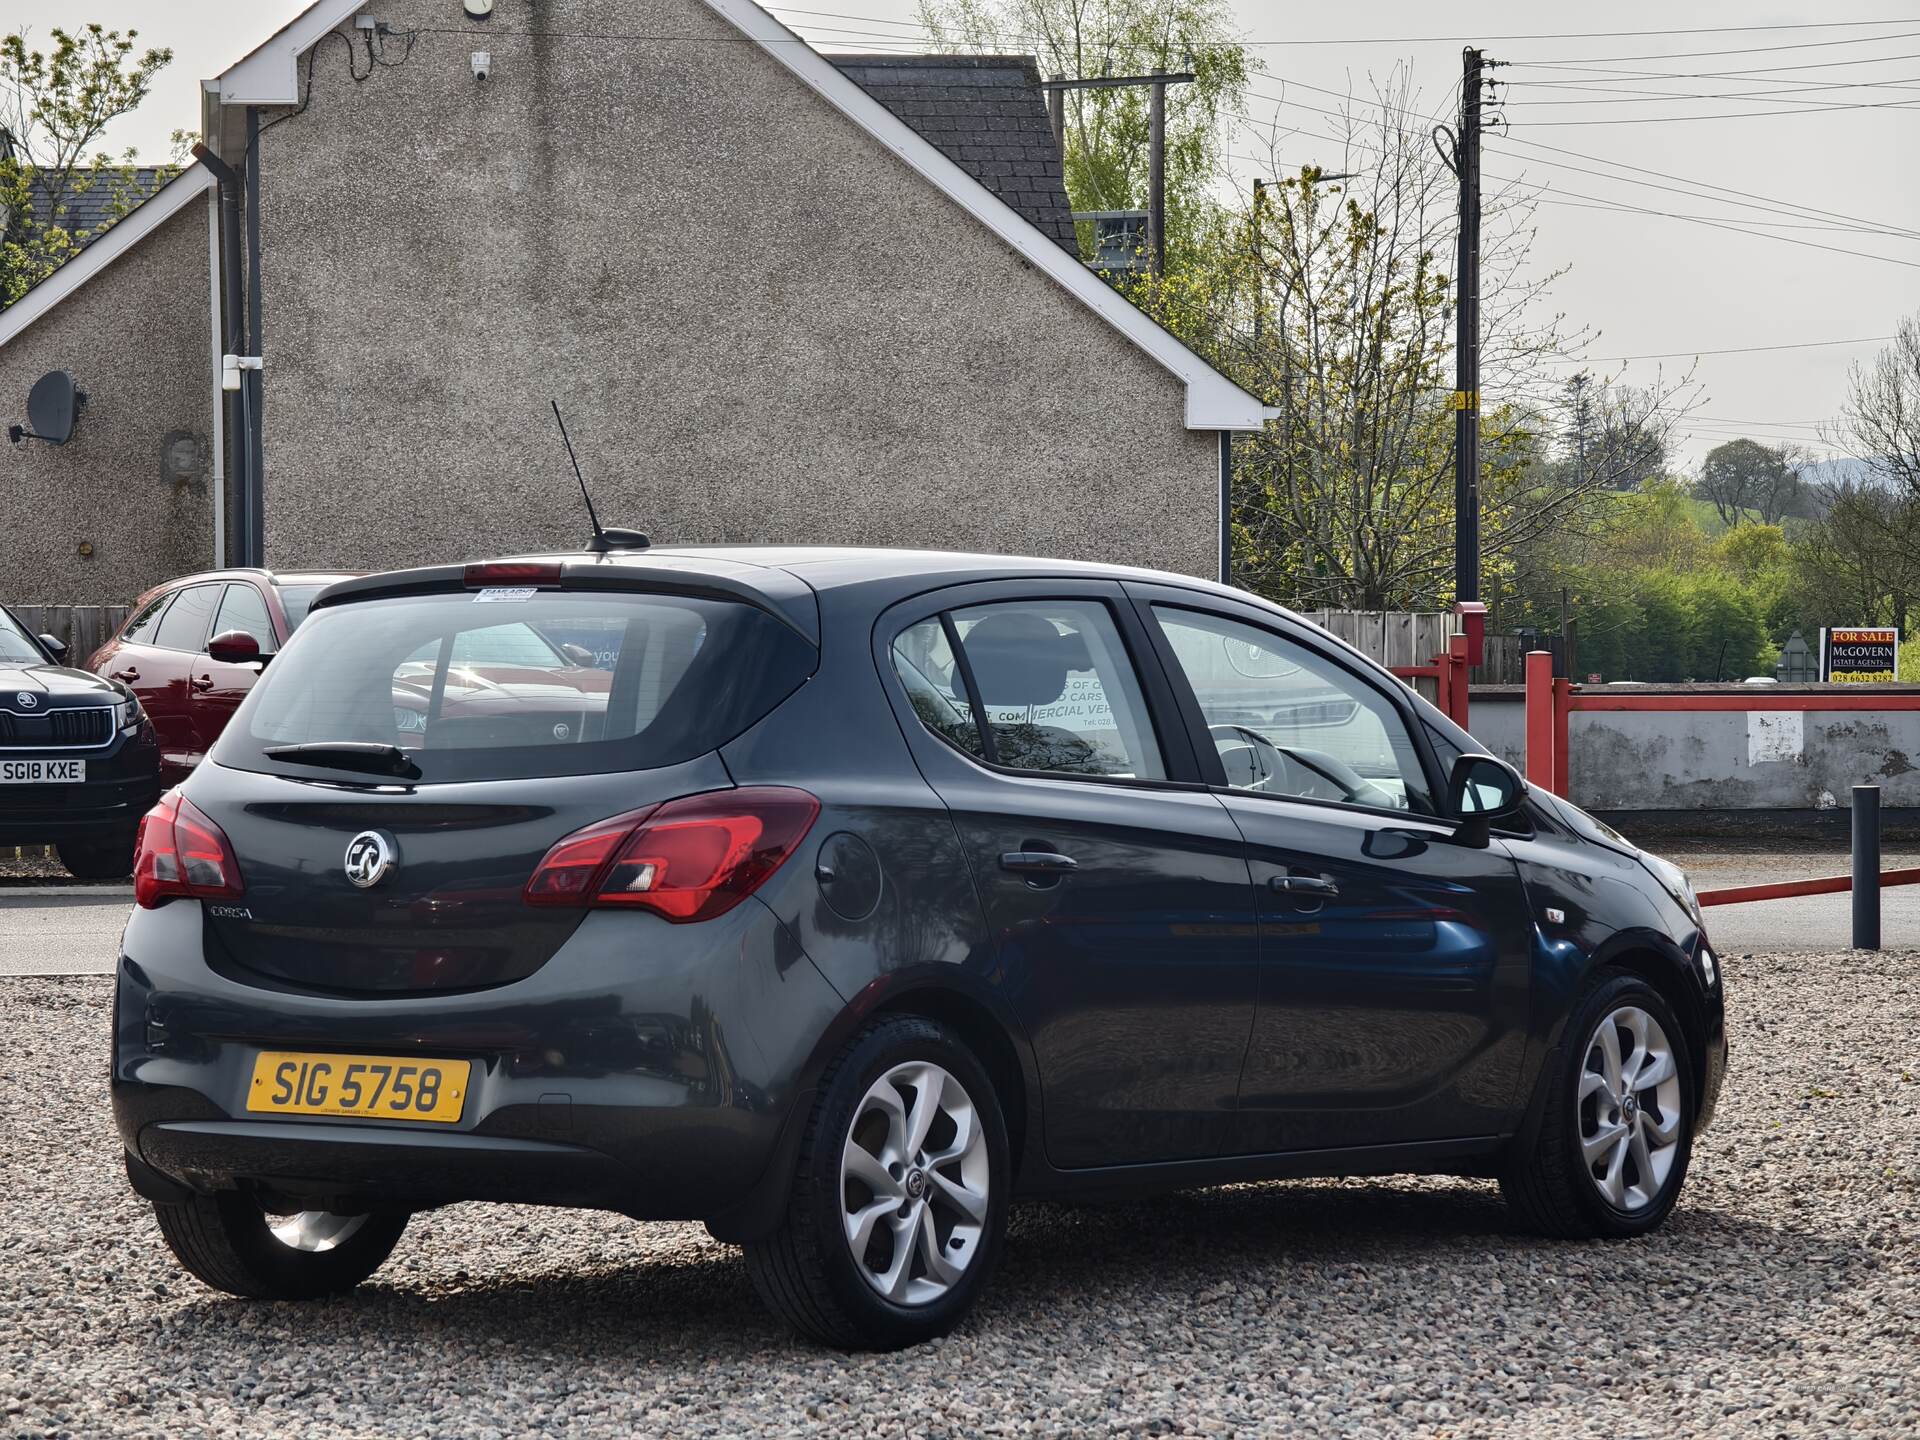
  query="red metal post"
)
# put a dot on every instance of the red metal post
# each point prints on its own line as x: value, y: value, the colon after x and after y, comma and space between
x: 1540, y: 762
x: 1473, y: 624
x: 1562, y: 694
x: 1459, y: 658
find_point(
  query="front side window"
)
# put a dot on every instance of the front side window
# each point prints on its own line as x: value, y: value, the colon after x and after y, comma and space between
x: 1056, y: 689
x: 184, y: 626
x: 245, y: 609
x: 1287, y: 721
x: 469, y: 694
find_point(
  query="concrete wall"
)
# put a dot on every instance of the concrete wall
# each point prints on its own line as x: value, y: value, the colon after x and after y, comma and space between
x: 138, y: 339
x: 1719, y: 760
x: 762, y: 324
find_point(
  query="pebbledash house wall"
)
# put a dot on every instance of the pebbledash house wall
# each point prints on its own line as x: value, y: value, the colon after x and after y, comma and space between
x: 138, y: 339
x: 762, y: 325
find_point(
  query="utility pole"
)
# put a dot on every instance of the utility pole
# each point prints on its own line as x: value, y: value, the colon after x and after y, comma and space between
x: 1157, y: 178
x: 1259, y: 269
x: 1156, y: 142
x: 1463, y: 156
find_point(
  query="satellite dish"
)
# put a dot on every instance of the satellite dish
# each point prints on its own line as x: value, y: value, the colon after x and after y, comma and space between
x: 53, y: 408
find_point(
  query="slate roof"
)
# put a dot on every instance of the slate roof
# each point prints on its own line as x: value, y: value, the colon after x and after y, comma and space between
x: 94, y: 208
x: 988, y: 115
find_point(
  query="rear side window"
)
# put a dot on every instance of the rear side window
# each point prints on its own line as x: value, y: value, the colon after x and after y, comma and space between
x: 140, y: 629
x: 184, y: 626
x: 1051, y: 679
x: 475, y: 689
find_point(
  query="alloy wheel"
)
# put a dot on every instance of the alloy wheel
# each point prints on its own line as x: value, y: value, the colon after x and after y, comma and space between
x: 1629, y: 1109
x: 314, y: 1231
x: 914, y: 1180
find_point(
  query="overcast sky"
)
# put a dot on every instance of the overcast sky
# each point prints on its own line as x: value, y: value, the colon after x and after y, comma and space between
x: 1650, y: 284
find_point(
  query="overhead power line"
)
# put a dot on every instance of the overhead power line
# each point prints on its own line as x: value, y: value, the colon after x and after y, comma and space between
x: 1747, y: 50
x: 1783, y: 206
x: 1735, y: 350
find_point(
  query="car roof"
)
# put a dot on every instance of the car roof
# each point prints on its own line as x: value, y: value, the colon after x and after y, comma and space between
x: 786, y: 579
x: 247, y: 572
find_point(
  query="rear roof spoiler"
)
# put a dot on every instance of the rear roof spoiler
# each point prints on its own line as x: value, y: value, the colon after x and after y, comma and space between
x: 780, y: 593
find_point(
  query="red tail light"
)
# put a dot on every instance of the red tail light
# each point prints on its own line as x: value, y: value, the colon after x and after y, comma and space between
x: 689, y: 859
x: 512, y: 572
x: 181, y: 852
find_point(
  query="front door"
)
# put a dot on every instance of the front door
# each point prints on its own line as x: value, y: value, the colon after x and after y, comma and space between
x: 1394, y: 959
x: 172, y: 677
x: 218, y: 686
x: 1115, y: 888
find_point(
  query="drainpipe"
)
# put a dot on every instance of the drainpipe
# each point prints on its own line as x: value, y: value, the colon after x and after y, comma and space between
x: 1226, y: 507
x: 231, y: 315
x: 256, y: 453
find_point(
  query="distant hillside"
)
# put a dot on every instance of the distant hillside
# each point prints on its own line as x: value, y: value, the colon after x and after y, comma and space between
x: 1830, y: 472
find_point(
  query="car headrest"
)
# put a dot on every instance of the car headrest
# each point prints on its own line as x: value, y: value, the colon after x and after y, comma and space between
x: 1019, y: 658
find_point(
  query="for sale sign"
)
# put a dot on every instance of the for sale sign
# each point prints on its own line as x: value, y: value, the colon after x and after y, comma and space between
x: 1859, y: 656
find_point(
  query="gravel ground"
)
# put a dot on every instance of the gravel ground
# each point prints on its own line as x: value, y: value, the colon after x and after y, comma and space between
x: 1783, y: 1297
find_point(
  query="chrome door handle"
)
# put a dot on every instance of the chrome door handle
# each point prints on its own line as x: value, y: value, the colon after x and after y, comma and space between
x: 1038, y: 862
x: 124, y: 674
x: 202, y: 683
x: 1318, y: 885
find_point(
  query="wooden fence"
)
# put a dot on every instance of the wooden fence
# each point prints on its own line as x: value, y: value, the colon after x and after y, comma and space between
x: 85, y: 628
x: 1392, y: 637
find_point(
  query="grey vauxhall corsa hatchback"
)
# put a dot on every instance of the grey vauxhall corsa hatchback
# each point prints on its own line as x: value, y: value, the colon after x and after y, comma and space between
x: 837, y: 898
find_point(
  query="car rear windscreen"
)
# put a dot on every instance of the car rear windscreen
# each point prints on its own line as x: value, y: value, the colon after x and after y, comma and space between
x: 511, y: 684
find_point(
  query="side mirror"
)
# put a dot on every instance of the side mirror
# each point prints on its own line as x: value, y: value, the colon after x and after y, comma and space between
x: 1481, y: 791
x: 578, y: 655
x: 56, y: 647
x: 234, y: 647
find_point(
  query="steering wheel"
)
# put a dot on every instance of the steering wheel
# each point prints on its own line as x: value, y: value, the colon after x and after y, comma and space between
x: 1284, y: 770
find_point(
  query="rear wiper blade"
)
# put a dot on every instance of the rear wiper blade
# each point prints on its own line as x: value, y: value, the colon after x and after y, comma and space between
x: 368, y: 756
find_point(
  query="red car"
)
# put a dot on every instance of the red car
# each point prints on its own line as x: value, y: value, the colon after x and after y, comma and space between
x: 192, y: 648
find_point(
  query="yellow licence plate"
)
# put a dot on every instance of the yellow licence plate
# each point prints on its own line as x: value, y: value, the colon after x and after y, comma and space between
x: 366, y: 1087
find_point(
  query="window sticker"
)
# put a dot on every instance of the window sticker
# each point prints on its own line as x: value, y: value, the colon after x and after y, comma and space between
x: 507, y: 592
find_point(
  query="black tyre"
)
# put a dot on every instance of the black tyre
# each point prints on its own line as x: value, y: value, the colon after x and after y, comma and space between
x: 899, y: 1200
x: 228, y: 1242
x: 1608, y: 1150
x: 110, y: 858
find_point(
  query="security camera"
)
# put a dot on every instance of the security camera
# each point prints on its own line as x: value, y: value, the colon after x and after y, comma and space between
x: 482, y: 64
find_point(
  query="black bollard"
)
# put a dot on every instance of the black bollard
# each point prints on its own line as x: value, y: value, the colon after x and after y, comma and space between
x: 1866, y: 867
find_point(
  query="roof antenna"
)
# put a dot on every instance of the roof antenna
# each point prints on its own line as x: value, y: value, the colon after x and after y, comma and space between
x: 603, y: 541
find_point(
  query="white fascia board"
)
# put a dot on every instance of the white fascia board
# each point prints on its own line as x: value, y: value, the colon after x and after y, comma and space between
x: 126, y: 233
x: 1213, y: 401
x: 271, y: 74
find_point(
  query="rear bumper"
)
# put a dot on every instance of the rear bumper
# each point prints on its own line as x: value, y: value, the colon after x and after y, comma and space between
x: 646, y: 1068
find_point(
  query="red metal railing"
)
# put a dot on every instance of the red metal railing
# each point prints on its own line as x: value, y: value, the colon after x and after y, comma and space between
x: 1449, y: 675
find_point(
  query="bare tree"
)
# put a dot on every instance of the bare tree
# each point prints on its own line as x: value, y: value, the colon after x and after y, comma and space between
x: 1880, y: 421
x: 1335, y: 303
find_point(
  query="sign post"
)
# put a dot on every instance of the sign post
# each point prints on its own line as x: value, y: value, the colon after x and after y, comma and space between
x: 1859, y: 655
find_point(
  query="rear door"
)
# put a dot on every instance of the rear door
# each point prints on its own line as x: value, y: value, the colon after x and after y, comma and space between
x: 1394, y: 960
x: 171, y: 676
x: 1115, y: 888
